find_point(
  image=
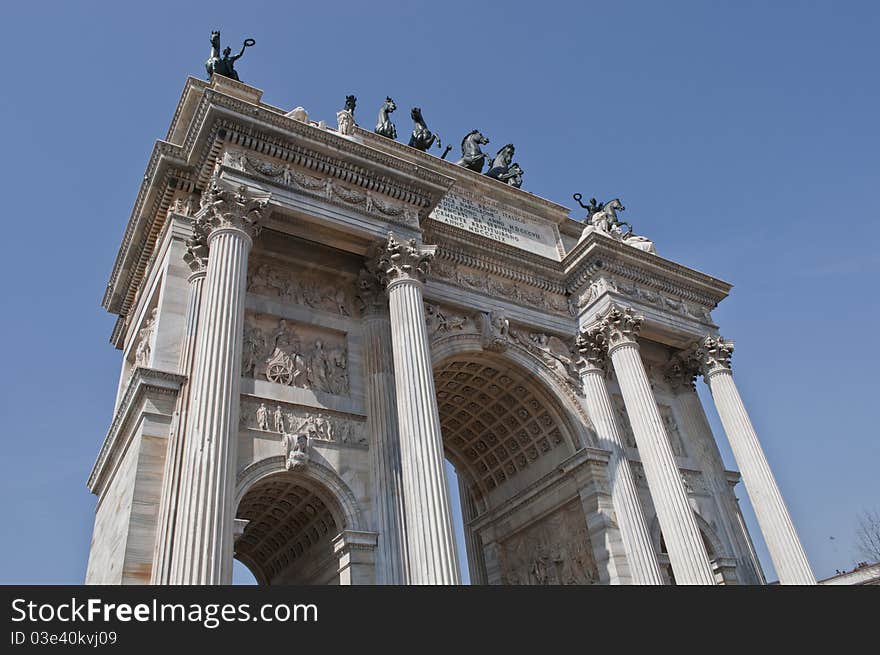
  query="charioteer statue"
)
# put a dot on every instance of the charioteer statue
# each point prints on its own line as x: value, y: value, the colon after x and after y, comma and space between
x: 224, y: 65
x: 602, y: 218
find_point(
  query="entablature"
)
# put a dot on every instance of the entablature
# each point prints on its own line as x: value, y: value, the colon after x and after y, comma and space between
x: 208, y: 121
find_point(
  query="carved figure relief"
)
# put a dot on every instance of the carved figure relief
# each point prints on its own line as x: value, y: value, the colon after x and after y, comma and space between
x: 290, y: 419
x: 441, y: 321
x: 554, y: 551
x: 675, y: 440
x: 267, y: 280
x: 623, y: 421
x: 296, y: 448
x: 144, y: 347
x: 262, y: 417
x: 287, y: 358
x: 494, y: 330
x: 551, y: 350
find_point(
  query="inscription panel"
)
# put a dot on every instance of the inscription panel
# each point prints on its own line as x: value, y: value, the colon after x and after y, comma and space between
x: 493, y: 222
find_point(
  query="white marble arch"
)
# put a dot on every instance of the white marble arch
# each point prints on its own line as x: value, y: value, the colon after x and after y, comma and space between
x: 561, y: 401
x: 321, y: 480
x: 318, y: 479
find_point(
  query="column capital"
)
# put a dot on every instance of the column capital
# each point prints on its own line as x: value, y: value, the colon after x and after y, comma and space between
x: 225, y: 208
x: 711, y: 354
x: 620, y: 325
x: 592, y: 344
x: 407, y: 260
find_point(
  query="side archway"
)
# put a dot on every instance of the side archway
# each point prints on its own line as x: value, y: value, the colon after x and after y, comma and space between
x: 291, y: 522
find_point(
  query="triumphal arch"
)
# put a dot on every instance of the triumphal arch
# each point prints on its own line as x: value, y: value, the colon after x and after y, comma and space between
x: 314, y: 318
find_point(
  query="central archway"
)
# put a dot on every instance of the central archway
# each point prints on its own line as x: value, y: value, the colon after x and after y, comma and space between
x: 507, y: 426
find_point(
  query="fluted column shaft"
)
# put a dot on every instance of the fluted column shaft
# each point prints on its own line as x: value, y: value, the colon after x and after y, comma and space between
x: 203, y: 547
x: 687, y: 553
x: 174, y: 456
x: 384, y: 444
x: 215, y: 409
x: 640, y: 554
x: 432, y: 558
x: 782, y: 540
x: 683, y: 542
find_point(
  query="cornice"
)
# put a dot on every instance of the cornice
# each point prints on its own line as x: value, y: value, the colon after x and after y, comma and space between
x: 481, y: 253
x: 143, y: 381
x: 219, y: 118
x: 599, y: 253
x: 284, y: 126
x: 167, y: 162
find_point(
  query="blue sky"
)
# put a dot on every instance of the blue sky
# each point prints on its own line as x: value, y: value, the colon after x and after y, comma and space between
x: 742, y: 137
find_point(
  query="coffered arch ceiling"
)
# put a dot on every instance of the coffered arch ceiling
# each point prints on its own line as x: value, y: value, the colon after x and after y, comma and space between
x: 497, y: 423
x: 287, y: 521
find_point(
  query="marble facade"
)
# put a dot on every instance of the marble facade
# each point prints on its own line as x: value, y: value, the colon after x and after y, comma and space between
x: 312, y: 320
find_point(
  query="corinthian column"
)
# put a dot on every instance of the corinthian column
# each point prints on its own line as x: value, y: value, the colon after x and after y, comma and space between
x: 203, y: 531
x: 382, y: 427
x: 196, y: 257
x: 640, y: 554
x: 402, y: 267
x: 714, y: 353
x: 687, y: 553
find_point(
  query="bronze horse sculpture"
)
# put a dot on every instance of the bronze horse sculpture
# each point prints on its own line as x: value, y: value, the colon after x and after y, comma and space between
x: 501, y: 163
x: 422, y: 138
x: 472, y: 157
x: 385, y: 127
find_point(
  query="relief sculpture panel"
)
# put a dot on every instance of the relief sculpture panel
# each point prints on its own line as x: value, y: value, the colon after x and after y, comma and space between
x: 553, y: 551
x: 294, y: 354
x: 299, y: 288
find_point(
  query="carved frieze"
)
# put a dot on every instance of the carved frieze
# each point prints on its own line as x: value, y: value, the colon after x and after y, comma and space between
x: 555, y: 550
x: 325, y: 187
x: 498, y: 287
x: 645, y: 294
x: 293, y: 354
x: 320, y: 426
x: 267, y: 278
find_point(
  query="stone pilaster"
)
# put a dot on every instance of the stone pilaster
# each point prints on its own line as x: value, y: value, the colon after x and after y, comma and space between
x: 203, y: 540
x: 681, y: 374
x: 381, y: 404
x: 792, y: 566
x: 432, y: 559
x: 196, y: 257
x: 356, y: 551
x: 683, y: 541
x: 640, y: 554
x: 472, y: 542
